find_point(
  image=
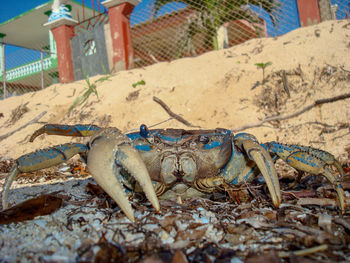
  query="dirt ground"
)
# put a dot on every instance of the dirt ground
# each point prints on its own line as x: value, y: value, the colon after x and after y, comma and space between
x: 218, y: 89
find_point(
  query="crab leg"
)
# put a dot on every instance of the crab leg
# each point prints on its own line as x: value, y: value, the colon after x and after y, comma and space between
x: 313, y: 161
x: 39, y: 160
x: 110, y: 153
x: 12, y: 176
x: 78, y: 130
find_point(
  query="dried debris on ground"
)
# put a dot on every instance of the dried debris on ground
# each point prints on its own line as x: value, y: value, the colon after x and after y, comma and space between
x: 17, y: 114
x: 238, y: 225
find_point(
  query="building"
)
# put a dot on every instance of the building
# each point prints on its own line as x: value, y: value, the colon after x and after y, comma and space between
x: 28, y: 31
x: 70, y: 38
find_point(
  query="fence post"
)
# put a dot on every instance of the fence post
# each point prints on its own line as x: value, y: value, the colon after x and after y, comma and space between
x: 42, y: 69
x: 309, y: 12
x: 3, y: 69
x: 119, y: 20
x: 63, y: 30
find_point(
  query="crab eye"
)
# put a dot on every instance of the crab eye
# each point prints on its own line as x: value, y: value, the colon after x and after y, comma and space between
x: 193, y: 144
x: 144, y: 131
x: 204, y: 139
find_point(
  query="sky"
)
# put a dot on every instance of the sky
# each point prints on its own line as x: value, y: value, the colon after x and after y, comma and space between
x: 288, y: 20
x: 8, y: 10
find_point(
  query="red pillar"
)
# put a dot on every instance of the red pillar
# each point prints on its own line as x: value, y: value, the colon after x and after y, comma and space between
x: 119, y: 20
x: 63, y: 31
x: 309, y: 12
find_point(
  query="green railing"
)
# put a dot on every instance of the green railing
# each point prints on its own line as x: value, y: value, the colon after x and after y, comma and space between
x: 30, y: 69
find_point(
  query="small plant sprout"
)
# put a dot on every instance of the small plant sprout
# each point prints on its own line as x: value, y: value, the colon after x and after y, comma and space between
x: 103, y: 78
x: 263, y: 66
x: 141, y: 82
x: 85, y: 94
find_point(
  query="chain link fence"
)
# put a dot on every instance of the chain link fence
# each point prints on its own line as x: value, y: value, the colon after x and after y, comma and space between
x: 27, y: 70
x: 164, y: 30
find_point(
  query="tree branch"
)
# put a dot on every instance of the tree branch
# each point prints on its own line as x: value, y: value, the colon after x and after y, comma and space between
x: 280, y: 118
x: 2, y: 137
x: 172, y: 114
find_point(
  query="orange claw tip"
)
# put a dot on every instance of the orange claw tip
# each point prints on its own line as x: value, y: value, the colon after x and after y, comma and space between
x: 276, y: 204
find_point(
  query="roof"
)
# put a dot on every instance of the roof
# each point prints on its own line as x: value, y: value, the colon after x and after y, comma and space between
x: 28, y: 30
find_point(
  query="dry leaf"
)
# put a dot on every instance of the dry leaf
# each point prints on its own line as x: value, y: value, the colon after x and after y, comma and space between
x: 179, y: 257
x: 28, y: 210
x: 270, y: 257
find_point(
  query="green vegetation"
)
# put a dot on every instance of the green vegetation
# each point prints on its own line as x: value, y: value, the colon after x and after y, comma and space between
x: 263, y: 66
x: 85, y: 93
x: 141, y: 82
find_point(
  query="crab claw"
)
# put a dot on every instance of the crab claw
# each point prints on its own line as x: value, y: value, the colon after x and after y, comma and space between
x: 266, y: 166
x: 110, y: 151
x: 311, y: 160
x: 316, y: 165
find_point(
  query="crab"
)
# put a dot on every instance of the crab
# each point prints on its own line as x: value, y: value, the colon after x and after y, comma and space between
x: 168, y: 163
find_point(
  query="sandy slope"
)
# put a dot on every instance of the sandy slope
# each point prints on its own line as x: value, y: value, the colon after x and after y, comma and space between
x: 212, y: 90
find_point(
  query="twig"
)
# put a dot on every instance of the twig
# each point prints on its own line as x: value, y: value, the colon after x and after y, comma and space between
x: 342, y: 67
x: 319, y: 202
x: 340, y: 136
x: 22, y: 127
x: 172, y: 114
x: 303, y: 252
x: 280, y: 118
x: 285, y: 83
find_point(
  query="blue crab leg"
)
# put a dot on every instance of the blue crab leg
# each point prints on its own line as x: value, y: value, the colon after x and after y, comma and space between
x: 263, y: 160
x: 313, y: 161
x: 110, y: 153
x: 78, y: 130
x: 39, y: 160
